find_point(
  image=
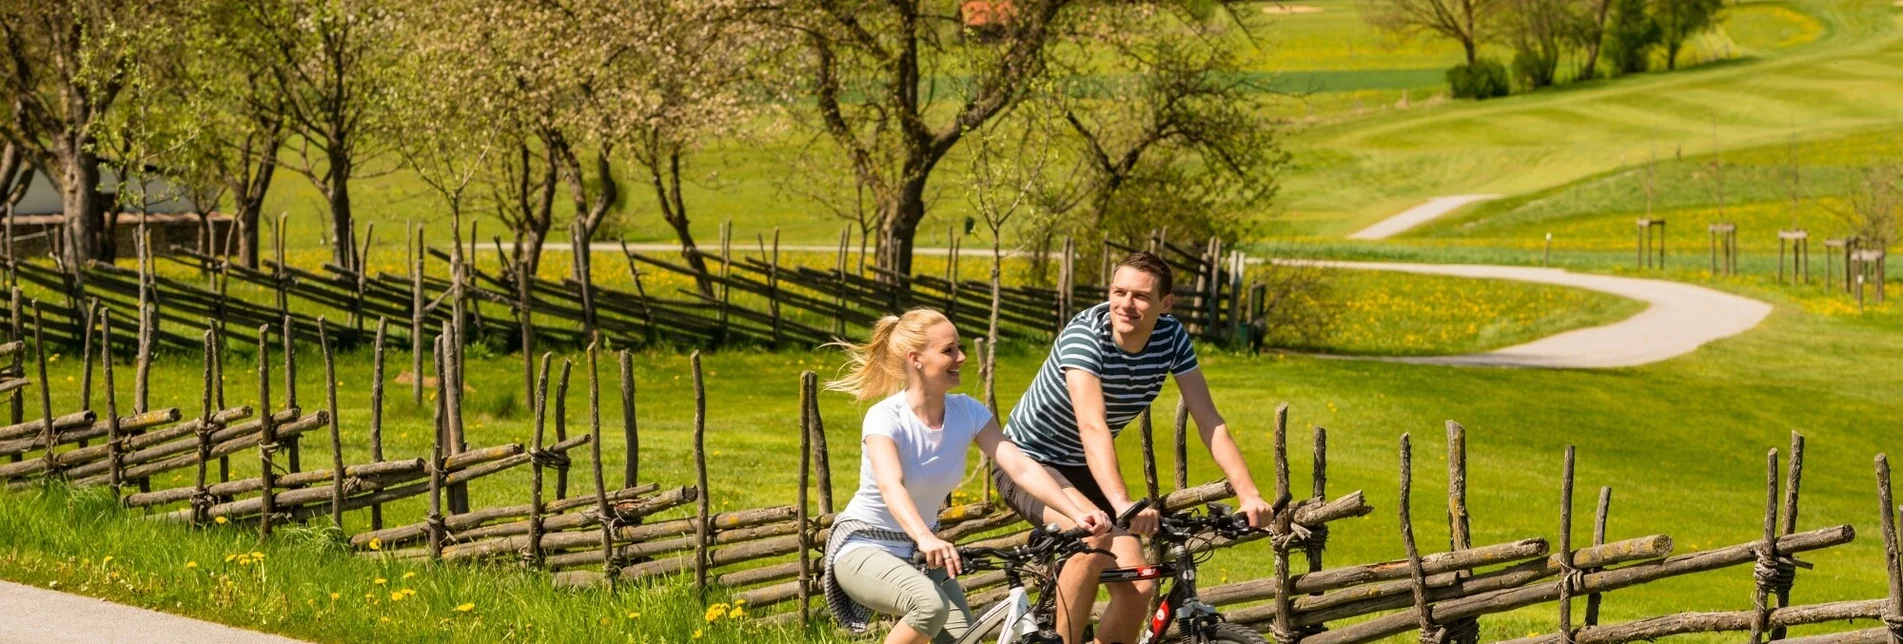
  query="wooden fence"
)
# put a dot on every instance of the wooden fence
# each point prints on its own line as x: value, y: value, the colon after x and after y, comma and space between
x: 626, y: 532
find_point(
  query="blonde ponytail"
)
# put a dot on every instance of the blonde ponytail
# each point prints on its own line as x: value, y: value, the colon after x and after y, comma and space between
x: 877, y: 368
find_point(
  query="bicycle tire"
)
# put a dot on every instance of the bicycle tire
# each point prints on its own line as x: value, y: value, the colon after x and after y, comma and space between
x: 1227, y: 633
x: 988, y: 623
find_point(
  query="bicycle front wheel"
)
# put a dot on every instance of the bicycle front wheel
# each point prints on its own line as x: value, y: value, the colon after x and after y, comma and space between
x: 1227, y: 633
x: 989, y: 622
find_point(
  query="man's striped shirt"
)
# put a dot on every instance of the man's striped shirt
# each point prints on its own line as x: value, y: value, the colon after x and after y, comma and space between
x: 1043, y: 423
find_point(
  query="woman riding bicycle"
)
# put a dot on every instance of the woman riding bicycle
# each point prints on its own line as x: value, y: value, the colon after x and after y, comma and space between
x: 915, y: 441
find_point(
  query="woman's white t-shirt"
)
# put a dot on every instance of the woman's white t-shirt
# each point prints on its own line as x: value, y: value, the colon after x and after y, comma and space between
x: 931, y: 462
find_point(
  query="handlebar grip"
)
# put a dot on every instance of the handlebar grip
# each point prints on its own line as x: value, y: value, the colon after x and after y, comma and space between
x: 1074, y: 533
x: 1123, y: 519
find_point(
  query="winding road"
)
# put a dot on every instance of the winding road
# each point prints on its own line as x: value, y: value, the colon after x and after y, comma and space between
x: 1681, y: 317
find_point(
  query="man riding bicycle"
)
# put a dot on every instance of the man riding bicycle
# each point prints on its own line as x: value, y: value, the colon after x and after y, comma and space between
x: 1106, y: 367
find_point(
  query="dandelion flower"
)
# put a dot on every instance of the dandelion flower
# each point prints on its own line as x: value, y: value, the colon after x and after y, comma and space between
x: 228, y: 558
x: 376, y: 544
x: 737, y: 612
x: 191, y: 564
x: 335, y: 596
x: 380, y: 581
x: 220, y: 520
x: 464, y: 608
x: 603, y: 621
x: 106, y: 560
x: 696, y: 631
x: 409, y: 575
x: 397, y: 596
x: 634, y: 615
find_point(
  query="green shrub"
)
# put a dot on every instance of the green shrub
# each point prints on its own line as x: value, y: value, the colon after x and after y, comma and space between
x: 1481, y: 80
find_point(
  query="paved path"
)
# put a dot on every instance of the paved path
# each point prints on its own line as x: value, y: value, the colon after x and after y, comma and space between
x: 40, y: 616
x: 1418, y: 215
x: 1681, y: 318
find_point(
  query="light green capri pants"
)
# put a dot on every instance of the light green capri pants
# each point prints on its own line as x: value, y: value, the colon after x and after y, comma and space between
x: 931, y: 602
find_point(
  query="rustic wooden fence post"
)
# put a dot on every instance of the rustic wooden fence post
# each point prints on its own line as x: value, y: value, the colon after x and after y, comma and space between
x: 46, y: 393
x: 293, y: 446
x: 1598, y: 539
x: 1794, y: 475
x: 438, y: 530
x: 201, y: 496
x: 336, y: 434
x: 1415, y: 574
x: 267, y: 431
x: 1182, y: 444
x: 416, y: 317
x: 376, y: 412
x: 630, y: 424
x: 115, y: 445
x: 773, y: 289
x: 1283, y: 627
x: 822, y: 459
x: 16, y: 331
x: 1892, y: 562
x: 726, y: 262
x: 1569, y: 575
x: 86, y: 346
x: 525, y: 316
x: 809, y: 381
x: 608, y: 519
x: 1146, y: 428
x: 1318, y: 534
x: 702, y: 505
x: 536, y: 463
x: 561, y: 429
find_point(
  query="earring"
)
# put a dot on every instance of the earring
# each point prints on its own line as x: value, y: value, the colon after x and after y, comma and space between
x: 918, y: 365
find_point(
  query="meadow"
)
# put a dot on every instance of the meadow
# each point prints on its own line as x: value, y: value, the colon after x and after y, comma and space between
x: 1681, y: 442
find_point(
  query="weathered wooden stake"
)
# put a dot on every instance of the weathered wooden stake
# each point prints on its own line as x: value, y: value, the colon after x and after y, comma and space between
x: 1567, y: 571
x: 116, y: 445
x: 47, y: 429
x: 1150, y: 485
x: 630, y: 425
x: 1415, y: 573
x: 608, y: 520
x: 438, y: 531
x: 534, y: 553
x: 416, y: 316
x: 267, y: 432
x: 293, y: 449
x: 1767, y: 549
x: 1314, y: 546
x: 1598, y: 539
x: 336, y: 434
x: 1891, y: 562
x: 809, y: 381
x: 1794, y: 476
x: 201, y: 498
x: 561, y: 428
x: 1284, y: 621
x: 376, y: 411
x: 525, y: 315
x: 1182, y: 444
x: 702, y: 505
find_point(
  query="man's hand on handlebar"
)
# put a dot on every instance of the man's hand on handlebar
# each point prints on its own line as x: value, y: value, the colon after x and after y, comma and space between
x: 1093, y: 522
x: 1258, y: 511
x: 1138, y: 517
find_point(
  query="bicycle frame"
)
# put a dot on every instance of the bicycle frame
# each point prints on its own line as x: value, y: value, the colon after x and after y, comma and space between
x: 1180, y: 605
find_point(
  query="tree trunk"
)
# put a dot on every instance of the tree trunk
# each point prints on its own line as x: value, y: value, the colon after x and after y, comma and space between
x: 898, y: 224
x: 1598, y: 38
x: 674, y: 211
x: 343, y: 241
x: 80, y: 200
x: 1671, y: 53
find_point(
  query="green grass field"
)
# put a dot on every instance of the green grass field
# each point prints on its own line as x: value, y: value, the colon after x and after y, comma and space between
x: 1682, y: 443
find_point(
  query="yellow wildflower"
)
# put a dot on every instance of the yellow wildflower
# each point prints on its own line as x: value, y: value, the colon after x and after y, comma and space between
x: 696, y: 631
x: 228, y: 558
x: 603, y: 621
x: 376, y: 544
x: 335, y: 596
x: 408, y: 575
x: 191, y: 564
x: 634, y: 615
x: 397, y: 596
x: 106, y: 560
x: 464, y: 608
x: 220, y: 520
x: 380, y: 581
x: 737, y: 612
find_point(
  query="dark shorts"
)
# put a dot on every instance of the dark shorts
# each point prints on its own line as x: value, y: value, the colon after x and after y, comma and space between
x: 1031, y: 509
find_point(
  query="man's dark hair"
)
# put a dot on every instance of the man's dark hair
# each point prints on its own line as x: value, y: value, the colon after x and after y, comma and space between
x: 1148, y: 262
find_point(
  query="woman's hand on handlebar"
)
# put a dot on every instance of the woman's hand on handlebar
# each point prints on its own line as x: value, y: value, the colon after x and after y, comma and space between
x: 940, y: 553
